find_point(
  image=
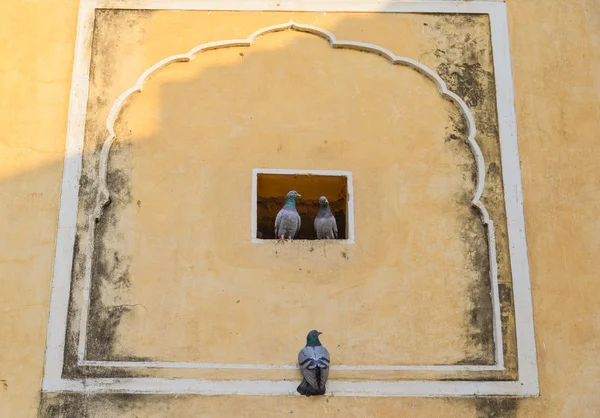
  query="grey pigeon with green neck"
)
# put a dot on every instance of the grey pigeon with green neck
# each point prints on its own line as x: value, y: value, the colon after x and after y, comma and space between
x: 287, y: 223
x: 325, y: 225
x: 314, y: 363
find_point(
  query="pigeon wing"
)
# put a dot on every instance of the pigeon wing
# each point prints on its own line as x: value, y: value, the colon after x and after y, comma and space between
x: 319, y: 228
x: 333, y: 224
x: 310, y: 359
x: 323, y: 363
x: 297, y: 225
x: 303, y: 356
x: 278, y: 223
x: 322, y: 356
x: 308, y: 366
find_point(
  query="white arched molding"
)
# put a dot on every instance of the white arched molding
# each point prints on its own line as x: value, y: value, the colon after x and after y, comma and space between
x: 103, y: 194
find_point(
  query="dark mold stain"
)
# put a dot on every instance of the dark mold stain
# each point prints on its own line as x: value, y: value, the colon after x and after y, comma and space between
x: 460, y: 67
x: 493, y: 171
x: 106, y: 21
x: 68, y: 405
x: 505, y: 293
x: 87, y: 191
x: 109, y: 269
x: 62, y: 405
x: 480, y: 329
x: 463, y: 79
x: 122, y: 402
x: 112, y: 266
x: 459, y: 63
x: 496, y: 407
x: 475, y: 86
x: 72, y: 331
x: 474, y: 238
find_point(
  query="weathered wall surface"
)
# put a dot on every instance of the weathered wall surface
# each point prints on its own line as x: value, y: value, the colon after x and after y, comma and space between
x: 556, y: 61
x: 173, y: 243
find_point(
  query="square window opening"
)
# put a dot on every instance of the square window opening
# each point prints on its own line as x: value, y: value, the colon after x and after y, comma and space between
x: 271, y: 189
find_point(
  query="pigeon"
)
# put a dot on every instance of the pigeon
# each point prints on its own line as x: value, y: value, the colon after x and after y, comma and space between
x: 287, y: 223
x: 314, y: 363
x: 325, y: 225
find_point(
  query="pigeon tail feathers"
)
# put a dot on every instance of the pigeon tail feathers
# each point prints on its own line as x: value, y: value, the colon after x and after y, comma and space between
x: 307, y: 390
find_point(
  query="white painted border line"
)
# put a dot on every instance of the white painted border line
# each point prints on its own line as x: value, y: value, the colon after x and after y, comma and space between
x: 242, y: 366
x: 103, y: 193
x: 513, y: 196
x: 527, y: 363
x: 69, y: 199
x: 342, y: 6
x: 332, y: 173
x: 288, y: 388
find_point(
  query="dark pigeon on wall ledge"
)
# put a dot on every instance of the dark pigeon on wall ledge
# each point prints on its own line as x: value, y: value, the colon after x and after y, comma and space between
x: 314, y: 363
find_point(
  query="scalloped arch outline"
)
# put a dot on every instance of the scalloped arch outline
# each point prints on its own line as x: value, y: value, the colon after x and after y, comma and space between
x: 334, y: 43
x: 103, y: 194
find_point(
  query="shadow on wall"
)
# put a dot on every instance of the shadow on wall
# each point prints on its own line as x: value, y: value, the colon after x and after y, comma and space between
x: 65, y: 405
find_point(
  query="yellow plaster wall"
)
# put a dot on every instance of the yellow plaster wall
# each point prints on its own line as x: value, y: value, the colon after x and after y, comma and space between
x: 36, y: 56
x: 187, y: 146
x: 556, y: 62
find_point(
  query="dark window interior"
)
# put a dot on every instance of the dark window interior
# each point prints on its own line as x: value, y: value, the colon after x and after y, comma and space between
x: 272, y: 189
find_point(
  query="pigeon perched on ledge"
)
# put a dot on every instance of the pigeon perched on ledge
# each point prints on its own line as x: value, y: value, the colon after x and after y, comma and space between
x: 287, y: 223
x: 314, y: 363
x: 325, y: 224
